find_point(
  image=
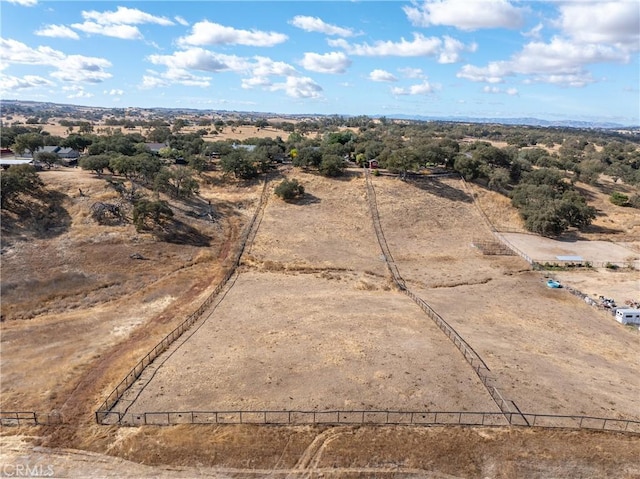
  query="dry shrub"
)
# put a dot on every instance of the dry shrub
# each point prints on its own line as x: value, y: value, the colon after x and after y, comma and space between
x: 272, y: 266
x: 204, y: 256
x: 362, y: 285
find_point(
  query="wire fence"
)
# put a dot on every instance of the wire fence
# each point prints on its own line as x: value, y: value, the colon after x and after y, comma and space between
x: 369, y: 417
x: 507, y: 407
x: 115, y: 396
x: 29, y: 418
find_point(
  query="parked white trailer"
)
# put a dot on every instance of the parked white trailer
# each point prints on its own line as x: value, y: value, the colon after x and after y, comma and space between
x: 628, y: 316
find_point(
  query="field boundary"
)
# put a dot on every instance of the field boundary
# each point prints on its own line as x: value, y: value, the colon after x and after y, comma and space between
x: 507, y: 406
x: 374, y: 418
x: 115, y: 396
x: 336, y: 417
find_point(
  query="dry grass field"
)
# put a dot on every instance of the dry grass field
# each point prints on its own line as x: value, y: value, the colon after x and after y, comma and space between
x: 78, y: 312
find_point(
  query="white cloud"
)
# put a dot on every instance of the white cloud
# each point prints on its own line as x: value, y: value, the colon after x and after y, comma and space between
x: 119, y: 23
x: 125, y: 16
x: 411, y: 72
x: 497, y: 90
x: 263, y: 68
x: 181, y: 21
x: 419, y: 46
x: 76, y: 91
x: 208, y: 33
x: 70, y: 68
x: 562, y: 56
x: 12, y: 83
x: 573, y: 80
x: 81, y: 69
x: 259, y: 69
x: 255, y: 82
x: 492, y: 73
x: 424, y: 88
x: 534, y: 32
x: 13, y: 51
x: 382, y: 75
x: 299, y: 87
x: 57, y: 31
x: 610, y: 22
x: 333, y: 62
x: 315, y: 24
x: 124, y: 32
x: 153, y: 81
x: 448, y: 50
x: 553, y: 61
x: 114, y: 92
x: 24, y: 3
x: 491, y: 89
x: 183, y: 77
x: 201, y: 59
x: 451, y: 50
x: 465, y: 14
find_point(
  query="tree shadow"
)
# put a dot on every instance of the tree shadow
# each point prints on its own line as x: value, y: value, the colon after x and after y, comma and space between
x: 176, y: 232
x: 41, y: 216
x: 437, y: 187
x: 306, y: 199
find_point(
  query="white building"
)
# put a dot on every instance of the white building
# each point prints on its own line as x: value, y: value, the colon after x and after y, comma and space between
x: 628, y: 316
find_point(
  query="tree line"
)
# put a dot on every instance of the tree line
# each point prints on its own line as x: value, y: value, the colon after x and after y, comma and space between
x: 537, y: 168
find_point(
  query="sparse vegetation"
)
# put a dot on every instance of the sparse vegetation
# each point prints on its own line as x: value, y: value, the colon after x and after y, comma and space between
x: 619, y: 199
x: 289, y: 189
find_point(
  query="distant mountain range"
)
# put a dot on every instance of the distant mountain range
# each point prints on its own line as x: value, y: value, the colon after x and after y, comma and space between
x: 34, y: 107
x: 521, y: 121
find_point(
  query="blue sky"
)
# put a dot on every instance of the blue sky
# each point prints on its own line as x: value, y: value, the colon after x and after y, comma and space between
x: 480, y: 58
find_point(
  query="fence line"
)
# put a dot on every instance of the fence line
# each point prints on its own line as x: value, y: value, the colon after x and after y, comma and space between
x: 471, y: 356
x: 29, y: 418
x: 164, y: 344
x: 372, y: 417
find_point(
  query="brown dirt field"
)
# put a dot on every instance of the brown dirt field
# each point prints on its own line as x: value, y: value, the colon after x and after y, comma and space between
x: 551, y: 352
x: 70, y: 297
x: 305, y: 342
x: 337, y: 452
x: 95, y: 338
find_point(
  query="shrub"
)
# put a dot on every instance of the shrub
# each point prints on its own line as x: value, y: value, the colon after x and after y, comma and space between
x: 289, y: 189
x: 619, y: 199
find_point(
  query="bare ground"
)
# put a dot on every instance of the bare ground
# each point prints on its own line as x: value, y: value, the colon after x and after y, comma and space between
x: 109, y: 334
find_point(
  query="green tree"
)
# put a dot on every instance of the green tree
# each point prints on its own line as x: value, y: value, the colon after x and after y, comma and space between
x: 331, y: 165
x: 77, y: 142
x: 308, y: 157
x: 47, y: 158
x: 179, y: 182
x: 238, y: 163
x: 154, y: 212
x: 28, y: 141
x: 16, y: 180
x: 402, y: 161
x: 499, y: 179
x: 467, y: 166
x: 96, y: 163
